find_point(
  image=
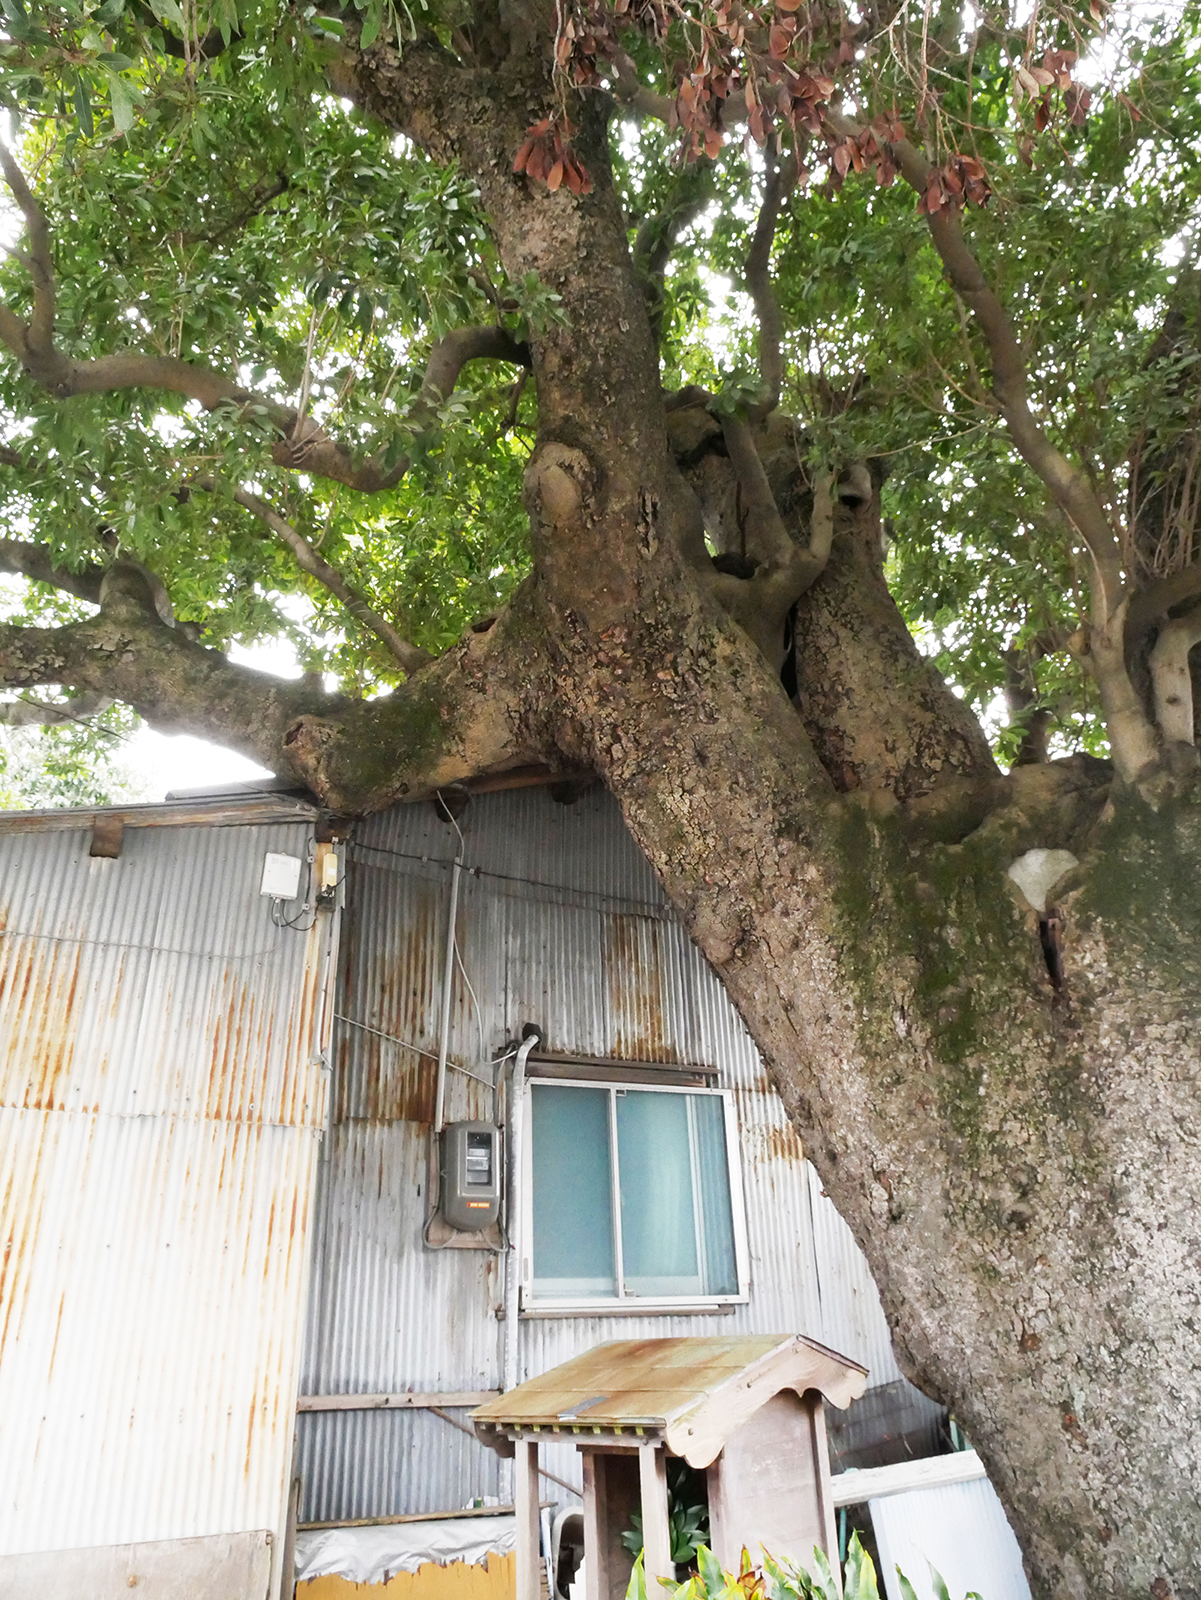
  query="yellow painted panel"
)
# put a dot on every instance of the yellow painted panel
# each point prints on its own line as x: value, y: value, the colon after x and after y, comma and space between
x: 456, y: 1581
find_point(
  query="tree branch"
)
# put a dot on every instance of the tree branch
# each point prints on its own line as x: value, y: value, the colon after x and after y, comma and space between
x: 1148, y: 605
x: 780, y: 182
x: 304, y: 444
x: 1133, y: 738
x: 629, y: 90
x: 760, y: 599
x: 410, y: 657
x: 460, y: 716
x: 39, y: 335
x: 1009, y: 383
x: 33, y: 561
x: 1171, y: 679
x: 452, y: 353
x: 657, y: 234
x: 27, y: 712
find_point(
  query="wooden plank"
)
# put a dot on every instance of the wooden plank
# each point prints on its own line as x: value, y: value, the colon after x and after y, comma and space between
x: 213, y: 813
x: 594, y: 1526
x: 764, y: 1488
x: 525, y: 1495
x: 413, y: 1516
x: 611, y: 1485
x: 404, y: 1401
x: 656, y: 1530
x: 816, y: 1409
x: 458, y: 1580
x: 931, y: 1472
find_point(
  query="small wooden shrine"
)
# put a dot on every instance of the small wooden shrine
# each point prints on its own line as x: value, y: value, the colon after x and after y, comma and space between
x: 747, y: 1410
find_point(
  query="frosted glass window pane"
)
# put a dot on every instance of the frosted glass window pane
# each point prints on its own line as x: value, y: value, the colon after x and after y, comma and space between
x: 719, y: 1267
x: 658, y: 1219
x: 573, y: 1193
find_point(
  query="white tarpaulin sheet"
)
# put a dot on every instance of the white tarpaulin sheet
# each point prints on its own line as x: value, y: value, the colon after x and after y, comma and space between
x: 373, y: 1555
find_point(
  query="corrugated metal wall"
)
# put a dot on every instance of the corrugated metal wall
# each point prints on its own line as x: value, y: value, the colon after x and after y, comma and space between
x: 961, y: 1531
x: 561, y: 923
x: 160, y: 1112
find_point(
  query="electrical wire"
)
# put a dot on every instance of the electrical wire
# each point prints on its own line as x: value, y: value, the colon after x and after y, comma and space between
x: 653, y: 907
x: 293, y: 923
x: 417, y: 1049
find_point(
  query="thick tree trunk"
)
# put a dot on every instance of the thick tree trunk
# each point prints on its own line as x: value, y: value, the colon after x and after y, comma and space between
x: 1020, y: 1161
x: 1020, y: 1164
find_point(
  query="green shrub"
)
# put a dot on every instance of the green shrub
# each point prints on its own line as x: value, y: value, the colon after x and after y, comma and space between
x: 781, y: 1580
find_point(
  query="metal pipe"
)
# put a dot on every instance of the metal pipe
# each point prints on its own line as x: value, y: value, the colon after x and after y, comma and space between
x: 512, y: 1228
x: 448, y: 976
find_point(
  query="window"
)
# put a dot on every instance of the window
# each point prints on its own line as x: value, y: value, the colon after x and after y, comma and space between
x: 629, y: 1196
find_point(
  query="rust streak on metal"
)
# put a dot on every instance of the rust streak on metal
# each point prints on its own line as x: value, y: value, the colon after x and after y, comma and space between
x: 40, y: 1034
x: 634, y: 974
x: 784, y: 1143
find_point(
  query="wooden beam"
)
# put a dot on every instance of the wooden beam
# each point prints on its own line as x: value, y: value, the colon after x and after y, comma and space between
x: 106, y: 838
x: 594, y: 1526
x: 215, y: 813
x: 411, y: 1516
x: 525, y: 1495
x: 931, y: 1472
x: 404, y: 1401
x: 656, y: 1529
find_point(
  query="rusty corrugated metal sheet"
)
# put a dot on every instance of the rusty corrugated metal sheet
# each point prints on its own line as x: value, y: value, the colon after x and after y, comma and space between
x: 160, y: 1111
x: 561, y: 923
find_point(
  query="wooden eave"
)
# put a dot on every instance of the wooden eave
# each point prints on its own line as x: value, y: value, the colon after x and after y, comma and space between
x: 692, y: 1393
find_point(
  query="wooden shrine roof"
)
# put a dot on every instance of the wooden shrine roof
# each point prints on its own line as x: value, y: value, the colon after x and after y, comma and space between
x: 693, y: 1393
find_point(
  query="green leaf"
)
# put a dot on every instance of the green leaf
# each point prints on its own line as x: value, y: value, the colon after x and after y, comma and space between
x: 636, y: 1588
x: 712, y: 1576
x: 827, y: 1585
x: 859, y: 1573
x: 121, y: 99
x: 373, y: 21
x: 83, y: 108
x: 908, y: 1592
x: 168, y: 12
x: 936, y: 1580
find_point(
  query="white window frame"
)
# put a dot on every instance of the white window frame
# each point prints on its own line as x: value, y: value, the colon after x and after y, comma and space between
x: 633, y: 1304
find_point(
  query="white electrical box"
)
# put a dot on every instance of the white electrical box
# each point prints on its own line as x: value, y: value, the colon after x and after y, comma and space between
x: 281, y: 876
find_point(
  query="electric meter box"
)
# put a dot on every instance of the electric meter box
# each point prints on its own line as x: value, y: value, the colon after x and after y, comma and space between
x: 470, y: 1197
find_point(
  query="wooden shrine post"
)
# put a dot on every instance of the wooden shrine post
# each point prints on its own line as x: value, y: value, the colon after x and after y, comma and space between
x: 525, y: 1503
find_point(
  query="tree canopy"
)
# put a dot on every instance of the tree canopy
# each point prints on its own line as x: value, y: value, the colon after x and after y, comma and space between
x: 210, y: 201
x: 786, y: 413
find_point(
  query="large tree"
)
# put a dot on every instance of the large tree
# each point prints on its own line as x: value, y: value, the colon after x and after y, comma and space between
x: 285, y: 271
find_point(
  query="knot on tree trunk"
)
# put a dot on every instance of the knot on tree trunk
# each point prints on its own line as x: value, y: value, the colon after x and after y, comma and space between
x: 558, y: 482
